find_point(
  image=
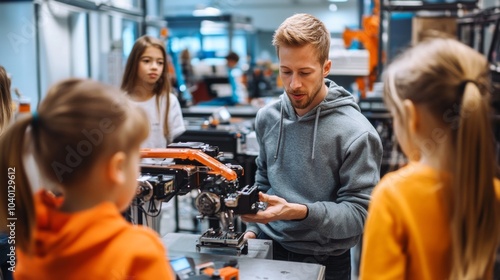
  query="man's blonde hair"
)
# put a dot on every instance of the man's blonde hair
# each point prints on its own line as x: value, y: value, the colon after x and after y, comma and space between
x: 303, y: 29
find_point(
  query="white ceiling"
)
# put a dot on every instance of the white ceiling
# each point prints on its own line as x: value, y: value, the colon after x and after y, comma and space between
x: 268, y: 14
x: 241, y: 4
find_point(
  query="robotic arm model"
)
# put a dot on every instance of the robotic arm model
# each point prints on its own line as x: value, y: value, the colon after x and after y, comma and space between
x: 197, y: 167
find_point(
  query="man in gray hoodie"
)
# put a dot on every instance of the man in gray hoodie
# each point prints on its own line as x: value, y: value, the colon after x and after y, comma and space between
x: 319, y: 157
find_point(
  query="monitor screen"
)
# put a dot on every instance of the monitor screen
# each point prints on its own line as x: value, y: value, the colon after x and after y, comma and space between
x: 180, y: 264
x: 218, y: 86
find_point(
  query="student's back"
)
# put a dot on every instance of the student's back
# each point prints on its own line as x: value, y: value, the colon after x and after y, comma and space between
x: 438, y: 217
x: 92, y: 244
x: 413, y: 235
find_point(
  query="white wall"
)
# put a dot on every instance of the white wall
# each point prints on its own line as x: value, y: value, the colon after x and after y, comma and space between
x: 70, y: 45
x: 17, y: 47
x: 63, y: 49
x: 54, y: 46
x: 78, y: 43
x: 95, y: 31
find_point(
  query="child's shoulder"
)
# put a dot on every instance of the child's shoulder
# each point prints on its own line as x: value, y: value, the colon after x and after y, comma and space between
x: 408, y: 179
x: 141, y: 236
x: 139, y: 243
x: 404, y: 174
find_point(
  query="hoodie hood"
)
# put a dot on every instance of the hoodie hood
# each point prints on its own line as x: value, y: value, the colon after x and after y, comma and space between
x: 69, y: 234
x: 96, y: 243
x: 336, y: 97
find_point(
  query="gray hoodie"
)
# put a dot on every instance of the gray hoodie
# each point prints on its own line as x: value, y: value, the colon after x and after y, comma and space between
x: 329, y: 160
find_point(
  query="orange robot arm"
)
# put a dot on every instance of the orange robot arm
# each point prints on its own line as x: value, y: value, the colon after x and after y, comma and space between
x: 192, y: 154
x: 369, y: 37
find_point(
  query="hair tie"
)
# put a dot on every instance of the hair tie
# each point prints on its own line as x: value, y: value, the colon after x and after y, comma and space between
x: 35, y: 119
x: 464, y: 83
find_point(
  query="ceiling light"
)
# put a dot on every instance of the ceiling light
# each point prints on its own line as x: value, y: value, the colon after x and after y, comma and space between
x: 208, y: 11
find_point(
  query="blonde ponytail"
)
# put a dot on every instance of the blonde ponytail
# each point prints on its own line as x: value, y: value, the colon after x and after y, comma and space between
x: 475, y: 211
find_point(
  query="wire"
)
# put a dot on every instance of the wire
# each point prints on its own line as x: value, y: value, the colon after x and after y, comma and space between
x: 152, y: 208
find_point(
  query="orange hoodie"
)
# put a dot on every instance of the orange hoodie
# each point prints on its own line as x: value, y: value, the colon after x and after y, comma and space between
x: 92, y: 244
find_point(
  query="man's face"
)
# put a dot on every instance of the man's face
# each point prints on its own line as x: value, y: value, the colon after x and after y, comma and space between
x: 302, y: 76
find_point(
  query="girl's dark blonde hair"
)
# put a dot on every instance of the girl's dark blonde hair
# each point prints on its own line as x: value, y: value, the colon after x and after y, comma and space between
x: 78, y: 123
x: 5, y: 100
x: 303, y: 29
x: 452, y: 81
x: 131, y: 81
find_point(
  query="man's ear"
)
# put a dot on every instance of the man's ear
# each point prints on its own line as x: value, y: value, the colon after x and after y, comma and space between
x: 326, y: 68
x: 116, y: 168
x: 413, y: 116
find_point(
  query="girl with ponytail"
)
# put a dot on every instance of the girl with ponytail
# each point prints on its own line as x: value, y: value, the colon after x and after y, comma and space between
x: 86, y: 139
x: 439, y: 216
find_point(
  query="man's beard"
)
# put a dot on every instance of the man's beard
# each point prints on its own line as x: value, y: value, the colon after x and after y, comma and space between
x: 302, y: 104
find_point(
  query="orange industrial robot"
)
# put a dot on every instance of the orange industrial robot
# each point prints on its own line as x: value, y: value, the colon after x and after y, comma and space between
x: 369, y: 37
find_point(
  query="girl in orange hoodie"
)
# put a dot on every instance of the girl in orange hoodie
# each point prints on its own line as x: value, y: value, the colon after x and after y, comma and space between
x: 86, y: 138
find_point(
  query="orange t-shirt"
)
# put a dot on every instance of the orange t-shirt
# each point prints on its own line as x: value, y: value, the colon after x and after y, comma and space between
x: 407, y: 233
x: 92, y: 244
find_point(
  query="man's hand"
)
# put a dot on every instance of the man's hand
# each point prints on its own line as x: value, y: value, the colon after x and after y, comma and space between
x: 277, y: 209
x: 249, y: 235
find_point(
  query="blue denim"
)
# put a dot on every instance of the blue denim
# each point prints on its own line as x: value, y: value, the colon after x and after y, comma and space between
x: 336, y: 267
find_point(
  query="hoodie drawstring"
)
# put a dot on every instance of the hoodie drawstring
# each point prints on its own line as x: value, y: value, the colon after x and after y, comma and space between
x: 281, y: 131
x: 315, y: 131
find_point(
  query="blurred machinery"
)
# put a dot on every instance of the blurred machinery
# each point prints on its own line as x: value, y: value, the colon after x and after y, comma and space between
x: 369, y: 37
x: 197, y: 167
